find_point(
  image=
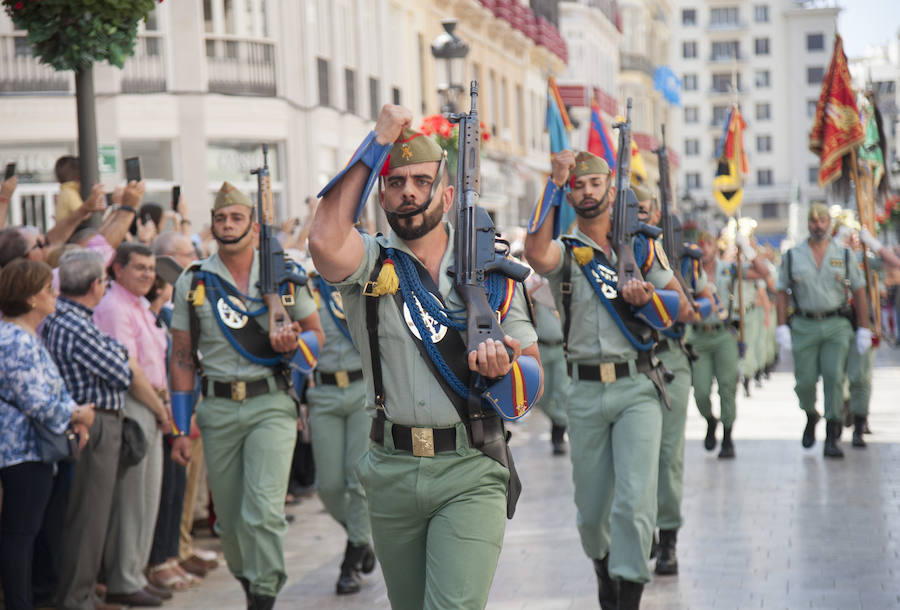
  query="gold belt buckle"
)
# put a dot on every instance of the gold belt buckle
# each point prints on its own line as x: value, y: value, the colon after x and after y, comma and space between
x: 238, y: 390
x: 423, y: 442
x: 342, y: 379
x: 287, y: 300
x: 607, y: 372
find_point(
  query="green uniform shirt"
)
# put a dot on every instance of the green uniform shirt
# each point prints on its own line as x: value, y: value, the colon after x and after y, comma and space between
x: 220, y: 360
x: 547, y: 323
x: 594, y: 336
x: 338, y: 353
x: 819, y: 289
x: 413, y: 396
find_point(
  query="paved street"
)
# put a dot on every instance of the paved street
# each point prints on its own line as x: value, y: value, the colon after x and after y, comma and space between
x: 778, y: 527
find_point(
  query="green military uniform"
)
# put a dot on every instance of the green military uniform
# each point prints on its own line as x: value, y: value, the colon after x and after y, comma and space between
x: 820, y: 336
x: 614, y: 429
x: 553, y: 361
x: 753, y: 323
x: 437, y: 522
x: 859, y: 369
x: 771, y: 346
x: 247, y: 443
x: 716, y: 347
x: 338, y: 421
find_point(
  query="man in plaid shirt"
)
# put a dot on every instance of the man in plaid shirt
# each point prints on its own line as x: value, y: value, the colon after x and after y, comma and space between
x: 96, y: 368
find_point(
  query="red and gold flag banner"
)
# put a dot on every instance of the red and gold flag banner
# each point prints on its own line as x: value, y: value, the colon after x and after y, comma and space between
x: 836, y: 128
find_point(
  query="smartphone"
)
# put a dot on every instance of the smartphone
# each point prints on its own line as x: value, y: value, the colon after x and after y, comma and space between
x: 109, y: 201
x: 10, y: 171
x: 176, y: 195
x: 133, y: 169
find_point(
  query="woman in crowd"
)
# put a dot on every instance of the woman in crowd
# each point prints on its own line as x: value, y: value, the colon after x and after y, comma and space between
x: 32, y: 390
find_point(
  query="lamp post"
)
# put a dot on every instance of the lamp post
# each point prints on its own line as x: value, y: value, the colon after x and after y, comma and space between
x: 450, y: 53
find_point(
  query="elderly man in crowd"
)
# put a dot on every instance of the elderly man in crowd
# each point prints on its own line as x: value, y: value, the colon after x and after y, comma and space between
x: 96, y: 368
x: 124, y: 314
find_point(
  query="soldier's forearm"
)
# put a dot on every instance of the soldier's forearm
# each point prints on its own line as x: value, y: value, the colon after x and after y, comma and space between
x: 861, y: 305
x: 782, y: 307
x: 182, y: 371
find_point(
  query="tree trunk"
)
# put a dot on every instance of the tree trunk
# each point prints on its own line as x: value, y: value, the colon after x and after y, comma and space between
x: 87, y: 135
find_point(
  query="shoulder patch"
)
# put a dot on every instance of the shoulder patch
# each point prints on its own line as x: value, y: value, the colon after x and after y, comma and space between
x: 661, y: 254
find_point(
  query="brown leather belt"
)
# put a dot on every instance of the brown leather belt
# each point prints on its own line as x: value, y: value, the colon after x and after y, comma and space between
x: 339, y: 378
x: 242, y: 390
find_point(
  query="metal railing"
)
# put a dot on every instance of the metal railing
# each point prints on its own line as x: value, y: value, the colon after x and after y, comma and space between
x: 240, y: 66
x: 145, y: 71
x: 33, y: 204
x: 633, y: 61
x: 21, y: 72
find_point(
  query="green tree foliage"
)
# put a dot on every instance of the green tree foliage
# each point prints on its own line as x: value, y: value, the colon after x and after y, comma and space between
x: 73, y: 34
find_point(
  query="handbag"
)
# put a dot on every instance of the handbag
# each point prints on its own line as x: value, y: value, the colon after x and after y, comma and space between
x: 55, y: 447
x: 134, y: 444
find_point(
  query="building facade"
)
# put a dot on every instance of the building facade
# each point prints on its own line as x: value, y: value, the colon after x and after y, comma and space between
x: 211, y: 80
x: 769, y: 57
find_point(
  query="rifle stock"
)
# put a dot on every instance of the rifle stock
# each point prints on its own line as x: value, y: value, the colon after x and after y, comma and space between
x: 625, y: 211
x: 476, y: 255
x: 273, y: 268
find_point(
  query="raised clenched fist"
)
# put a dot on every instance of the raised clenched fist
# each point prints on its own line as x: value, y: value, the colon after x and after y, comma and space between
x: 562, y: 163
x: 391, y: 121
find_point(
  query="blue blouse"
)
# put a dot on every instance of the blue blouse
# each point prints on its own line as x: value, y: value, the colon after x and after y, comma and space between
x: 30, y: 387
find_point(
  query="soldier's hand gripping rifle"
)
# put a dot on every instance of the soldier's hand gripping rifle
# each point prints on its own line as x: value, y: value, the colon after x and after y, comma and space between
x: 274, y: 270
x: 625, y: 223
x: 673, y: 236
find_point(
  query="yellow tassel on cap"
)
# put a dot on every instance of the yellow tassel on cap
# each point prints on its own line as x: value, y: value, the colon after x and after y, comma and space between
x: 583, y: 254
x: 387, y: 281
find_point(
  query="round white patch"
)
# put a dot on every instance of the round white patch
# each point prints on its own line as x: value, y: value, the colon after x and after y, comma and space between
x: 438, y: 331
x: 230, y: 317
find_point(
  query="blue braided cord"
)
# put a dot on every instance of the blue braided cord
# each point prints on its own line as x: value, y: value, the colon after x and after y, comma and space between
x: 215, y: 283
x: 234, y: 342
x: 326, y: 291
x: 410, y: 282
x: 643, y: 347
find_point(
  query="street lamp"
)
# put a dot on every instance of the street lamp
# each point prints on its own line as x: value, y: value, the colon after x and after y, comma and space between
x: 451, y: 52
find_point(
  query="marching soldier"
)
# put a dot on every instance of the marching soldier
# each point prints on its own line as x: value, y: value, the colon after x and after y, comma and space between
x: 247, y: 417
x: 820, y: 274
x: 553, y: 360
x: 340, y: 427
x: 437, y: 475
x: 675, y: 355
x: 614, y: 409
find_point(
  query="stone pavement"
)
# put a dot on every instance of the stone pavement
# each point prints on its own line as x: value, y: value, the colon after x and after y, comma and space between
x: 778, y: 527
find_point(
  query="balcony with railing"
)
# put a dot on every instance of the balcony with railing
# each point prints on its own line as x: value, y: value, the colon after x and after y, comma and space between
x: 21, y: 72
x: 635, y: 62
x: 240, y: 66
x: 145, y: 71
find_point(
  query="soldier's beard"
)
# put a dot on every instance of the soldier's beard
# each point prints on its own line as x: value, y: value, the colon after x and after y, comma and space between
x: 590, y: 207
x: 818, y: 235
x: 407, y: 231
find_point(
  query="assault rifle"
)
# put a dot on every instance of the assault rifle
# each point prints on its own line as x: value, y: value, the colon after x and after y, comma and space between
x: 273, y: 268
x: 476, y: 254
x: 625, y: 223
x: 673, y: 243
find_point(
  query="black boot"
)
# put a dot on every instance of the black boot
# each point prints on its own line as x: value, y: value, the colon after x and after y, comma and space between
x: 245, y: 584
x: 367, y: 559
x: 746, y: 384
x: 727, y: 449
x: 859, y: 428
x: 666, y: 561
x: 654, y: 545
x: 710, y: 441
x: 558, y: 438
x: 630, y: 595
x: 261, y: 602
x: 848, y: 416
x: 809, y: 432
x: 608, y: 592
x: 832, y: 433
x: 348, y: 581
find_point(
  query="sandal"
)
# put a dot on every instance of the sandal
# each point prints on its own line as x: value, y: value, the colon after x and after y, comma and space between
x: 165, y: 575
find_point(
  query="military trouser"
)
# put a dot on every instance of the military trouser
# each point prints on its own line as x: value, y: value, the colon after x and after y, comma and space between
x: 717, y: 356
x: 859, y: 376
x: 614, y: 431
x: 339, y: 427
x: 671, y: 449
x: 771, y: 344
x: 820, y: 348
x: 437, y: 522
x: 556, y: 383
x: 248, y: 447
x: 753, y: 329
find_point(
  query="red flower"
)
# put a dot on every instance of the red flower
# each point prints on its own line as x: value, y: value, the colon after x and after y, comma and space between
x: 19, y: 5
x: 485, y: 132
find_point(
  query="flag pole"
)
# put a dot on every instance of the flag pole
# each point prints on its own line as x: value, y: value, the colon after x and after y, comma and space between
x: 862, y: 209
x: 739, y: 164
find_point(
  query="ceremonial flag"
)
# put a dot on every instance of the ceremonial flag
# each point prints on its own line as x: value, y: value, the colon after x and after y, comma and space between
x: 836, y: 127
x: 558, y: 123
x: 599, y: 142
x: 873, y: 149
x: 728, y: 189
x: 638, y: 171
